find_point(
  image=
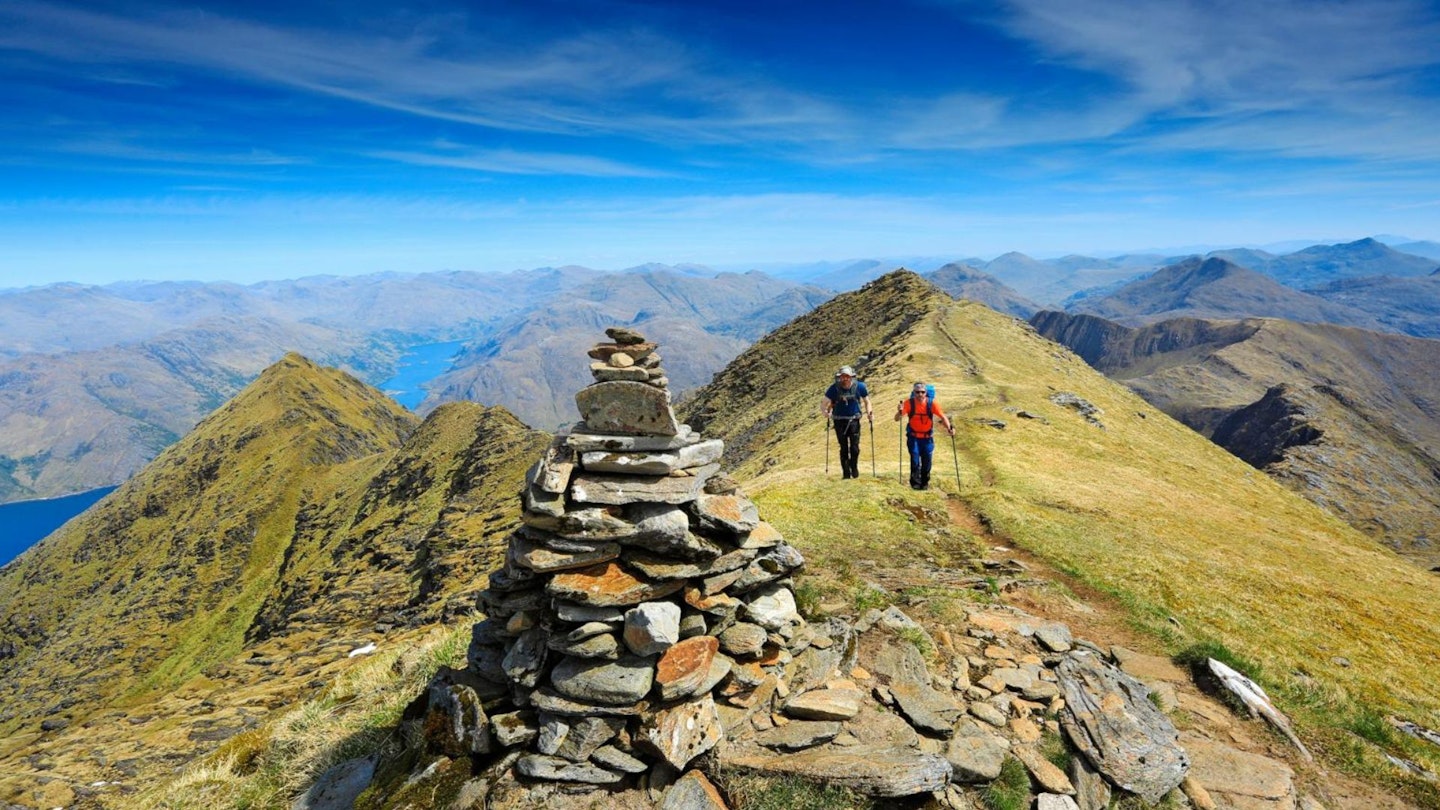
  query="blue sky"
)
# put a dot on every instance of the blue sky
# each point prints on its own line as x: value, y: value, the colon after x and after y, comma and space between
x: 250, y: 140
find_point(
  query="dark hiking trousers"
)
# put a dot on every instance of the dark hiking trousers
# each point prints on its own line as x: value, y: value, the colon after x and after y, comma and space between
x: 920, y: 452
x: 848, y: 432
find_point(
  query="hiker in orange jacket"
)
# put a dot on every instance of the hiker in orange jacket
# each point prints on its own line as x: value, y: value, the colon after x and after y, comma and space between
x: 920, y: 432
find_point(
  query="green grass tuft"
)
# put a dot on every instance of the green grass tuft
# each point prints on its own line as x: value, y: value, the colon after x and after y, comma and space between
x: 749, y: 792
x: 1052, y: 747
x: 1197, y: 654
x: 1010, y: 790
x: 922, y: 642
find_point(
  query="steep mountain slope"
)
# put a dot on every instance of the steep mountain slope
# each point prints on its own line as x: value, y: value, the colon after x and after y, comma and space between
x: 1347, y: 417
x: 964, y: 281
x: 215, y: 582
x: 1215, y: 288
x: 535, y: 363
x: 1198, y: 545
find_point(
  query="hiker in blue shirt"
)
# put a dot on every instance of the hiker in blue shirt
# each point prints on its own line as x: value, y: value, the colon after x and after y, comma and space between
x: 845, y: 401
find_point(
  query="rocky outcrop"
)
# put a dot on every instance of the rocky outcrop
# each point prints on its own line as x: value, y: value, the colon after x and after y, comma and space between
x: 1261, y: 432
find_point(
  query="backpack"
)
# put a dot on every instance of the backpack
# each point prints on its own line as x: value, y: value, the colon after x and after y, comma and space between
x: 929, y: 411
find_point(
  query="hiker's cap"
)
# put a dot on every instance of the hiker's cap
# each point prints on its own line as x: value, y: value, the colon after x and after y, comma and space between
x: 846, y: 371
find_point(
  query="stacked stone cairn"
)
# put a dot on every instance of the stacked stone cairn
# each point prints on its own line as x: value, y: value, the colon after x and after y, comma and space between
x: 643, y: 629
x: 639, y: 586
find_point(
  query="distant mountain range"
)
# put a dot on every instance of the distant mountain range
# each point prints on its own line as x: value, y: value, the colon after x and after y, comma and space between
x: 1215, y: 288
x: 95, y: 381
x: 536, y: 360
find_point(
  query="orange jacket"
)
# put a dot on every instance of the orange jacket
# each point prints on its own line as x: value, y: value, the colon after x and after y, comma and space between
x: 922, y: 419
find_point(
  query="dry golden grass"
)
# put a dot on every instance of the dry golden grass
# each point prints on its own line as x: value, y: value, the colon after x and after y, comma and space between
x: 270, y: 766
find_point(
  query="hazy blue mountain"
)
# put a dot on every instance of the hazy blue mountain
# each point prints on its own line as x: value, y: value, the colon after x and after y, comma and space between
x: 1428, y: 249
x: 1215, y: 288
x: 853, y: 275
x: 1052, y: 281
x: 963, y: 281
x: 1318, y: 265
x: 1249, y: 258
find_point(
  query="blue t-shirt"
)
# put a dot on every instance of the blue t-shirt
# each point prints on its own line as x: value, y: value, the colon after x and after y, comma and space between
x: 847, y: 401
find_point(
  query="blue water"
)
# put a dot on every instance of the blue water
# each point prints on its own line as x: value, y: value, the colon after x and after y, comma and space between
x: 421, y: 365
x: 24, y: 523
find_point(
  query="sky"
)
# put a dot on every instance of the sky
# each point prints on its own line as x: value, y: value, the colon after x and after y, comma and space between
x: 255, y: 140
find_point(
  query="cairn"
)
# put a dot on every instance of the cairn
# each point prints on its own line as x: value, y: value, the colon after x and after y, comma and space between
x: 640, y: 588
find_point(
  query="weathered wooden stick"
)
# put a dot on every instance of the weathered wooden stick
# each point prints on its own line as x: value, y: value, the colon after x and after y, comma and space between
x: 1257, y: 702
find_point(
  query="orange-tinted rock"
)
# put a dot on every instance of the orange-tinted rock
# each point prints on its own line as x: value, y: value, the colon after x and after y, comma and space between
x: 697, y: 599
x: 684, y: 666
x: 608, y: 585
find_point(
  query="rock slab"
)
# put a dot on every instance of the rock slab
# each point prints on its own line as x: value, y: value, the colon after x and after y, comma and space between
x: 1110, y: 720
x: 883, y: 773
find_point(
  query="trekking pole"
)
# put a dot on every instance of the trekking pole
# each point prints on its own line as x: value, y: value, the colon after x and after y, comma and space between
x: 900, y: 456
x: 873, y: 473
x: 827, y: 445
x: 956, y: 457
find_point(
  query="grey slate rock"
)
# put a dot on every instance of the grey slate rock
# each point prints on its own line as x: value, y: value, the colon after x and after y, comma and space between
x: 612, y: 758
x: 799, y: 734
x: 585, y: 442
x: 772, y: 564
x: 609, y: 683
x: 526, y: 657
x: 976, y: 754
x: 514, y: 728
x: 772, y: 607
x: 652, y: 627
x: 633, y: 408
x: 568, y: 611
x: 548, y: 700
x: 1055, y: 637
x: 743, y: 639
x: 586, y: 735
x: 338, y: 787
x: 1110, y: 720
x: 556, y: 769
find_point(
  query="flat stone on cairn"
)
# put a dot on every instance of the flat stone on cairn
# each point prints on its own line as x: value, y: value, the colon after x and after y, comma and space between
x: 606, y: 630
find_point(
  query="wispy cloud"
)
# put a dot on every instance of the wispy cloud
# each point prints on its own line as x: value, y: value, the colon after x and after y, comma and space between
x: 115, y: 148
x: 1294, y: 76
x: 509, y: 161
x: 629, y: 81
